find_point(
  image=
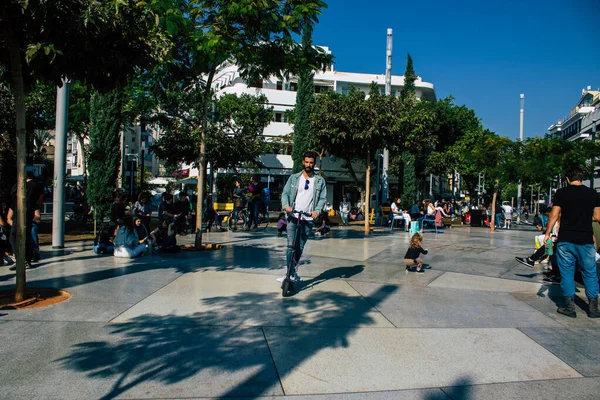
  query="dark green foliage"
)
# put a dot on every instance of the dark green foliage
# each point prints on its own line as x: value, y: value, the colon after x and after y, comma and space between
x: 304, y: 99
x: 409, y: 183
x: 409, y: 91
x: 234, y: 137
x: 104, y: 150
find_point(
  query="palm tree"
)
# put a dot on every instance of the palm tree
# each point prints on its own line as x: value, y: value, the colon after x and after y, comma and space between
x: 41, y: 139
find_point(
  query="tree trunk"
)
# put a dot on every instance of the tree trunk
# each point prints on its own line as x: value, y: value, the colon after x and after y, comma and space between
x: 83, y: 159
x: 368, y: 194
x: 493, y: 221
x: 202, y: 162
x: 18, y: 92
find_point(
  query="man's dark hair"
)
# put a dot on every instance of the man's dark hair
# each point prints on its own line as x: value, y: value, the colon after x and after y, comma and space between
x: 310, y: 154
x: 29, y: 175
x: 575, y: 173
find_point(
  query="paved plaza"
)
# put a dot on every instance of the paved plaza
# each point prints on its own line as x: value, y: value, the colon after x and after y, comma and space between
x: 213, y: 324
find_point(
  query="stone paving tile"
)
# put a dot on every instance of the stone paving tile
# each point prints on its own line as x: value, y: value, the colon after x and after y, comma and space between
x: 148, y: 358
x: 416, y: 394
x: 233, y: 298
x: 70, y: 311
x: 578, y: 347
x: 369, y: 359
x: 473, y: 282
x: 549, y: 297
x: 560, y: 389
x: 418, y: 307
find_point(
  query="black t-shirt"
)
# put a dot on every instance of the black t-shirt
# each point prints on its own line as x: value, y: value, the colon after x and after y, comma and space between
x: 577, y: 205
x: 32, y: 202
x: 182, y: 207
x: 117, y: 211
x: 413, y: 253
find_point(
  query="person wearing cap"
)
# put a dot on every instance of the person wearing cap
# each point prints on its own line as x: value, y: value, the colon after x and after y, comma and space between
x: 304, y: 191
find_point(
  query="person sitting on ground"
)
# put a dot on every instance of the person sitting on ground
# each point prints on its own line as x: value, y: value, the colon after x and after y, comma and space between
x: 143, y: 208
x: 411, y: 258
x: 127, y: 243
x: 281, y: 224
x: 325, y: 226
x: 141, y: 229
x: 181, y: 210
x: 102, y: 242
x: 164, y: 237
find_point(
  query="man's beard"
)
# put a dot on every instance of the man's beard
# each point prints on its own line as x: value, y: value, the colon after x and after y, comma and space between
x: 308, y: 169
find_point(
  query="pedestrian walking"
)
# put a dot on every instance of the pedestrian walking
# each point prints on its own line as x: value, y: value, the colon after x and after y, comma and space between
x: 576, y: 206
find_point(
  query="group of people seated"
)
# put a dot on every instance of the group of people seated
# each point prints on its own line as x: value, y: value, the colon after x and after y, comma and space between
x: 430, y: 211
x: 128, y: 234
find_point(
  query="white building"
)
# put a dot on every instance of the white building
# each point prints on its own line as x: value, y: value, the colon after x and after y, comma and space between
x: 281, y: 96
x: 580, y: 122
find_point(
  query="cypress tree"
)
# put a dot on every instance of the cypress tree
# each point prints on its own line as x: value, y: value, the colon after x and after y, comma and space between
x: 409, y: 93
x: 409, y: 90
x: 303, y: 103
x: 104, y: 157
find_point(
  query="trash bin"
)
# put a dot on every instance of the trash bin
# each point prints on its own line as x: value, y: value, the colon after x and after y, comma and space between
x: 477, y: 217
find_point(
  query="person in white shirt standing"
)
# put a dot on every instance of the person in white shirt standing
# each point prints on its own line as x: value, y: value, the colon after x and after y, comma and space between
x: 307, y: 192
x: 508, y: 210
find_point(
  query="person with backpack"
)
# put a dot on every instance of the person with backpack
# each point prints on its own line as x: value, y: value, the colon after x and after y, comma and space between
x: 102, y: 242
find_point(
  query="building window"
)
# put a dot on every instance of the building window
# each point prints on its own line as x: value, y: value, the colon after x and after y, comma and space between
x: 133, y: 139
x: 279, y: 85
x: 256, y: 84
x: 293, y: 86
x: 278, y: 117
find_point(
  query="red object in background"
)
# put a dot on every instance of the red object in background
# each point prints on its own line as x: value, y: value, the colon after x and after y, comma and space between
x: 468, y: 218
x: 486, y: 222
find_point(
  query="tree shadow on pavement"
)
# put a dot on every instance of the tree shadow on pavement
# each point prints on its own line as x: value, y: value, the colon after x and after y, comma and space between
x: 205, y: 352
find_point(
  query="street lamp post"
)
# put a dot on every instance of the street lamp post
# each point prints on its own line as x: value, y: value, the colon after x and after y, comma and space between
x: 593, y: 157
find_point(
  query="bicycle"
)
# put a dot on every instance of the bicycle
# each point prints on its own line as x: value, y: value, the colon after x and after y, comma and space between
x: 243, y: 219
x: 287, y: 285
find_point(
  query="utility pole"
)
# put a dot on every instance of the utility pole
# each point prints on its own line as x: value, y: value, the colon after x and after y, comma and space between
x: 60, y: 163
x: 142, y: 175
x: 521, y: 117
x: 385, y: 185
x: 593, y: 157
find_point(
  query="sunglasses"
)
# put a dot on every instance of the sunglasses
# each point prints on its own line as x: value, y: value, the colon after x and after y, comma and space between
x: 306, y: 184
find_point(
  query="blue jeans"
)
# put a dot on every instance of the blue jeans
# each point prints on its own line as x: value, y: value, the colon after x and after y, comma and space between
x: 569, y: 255
x: 305, y: 227
x: 344, y: 218
x: 254, y: 211
x: 35, y: 237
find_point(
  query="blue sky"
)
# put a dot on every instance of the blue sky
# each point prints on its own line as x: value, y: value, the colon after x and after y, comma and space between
x: 483, y: 53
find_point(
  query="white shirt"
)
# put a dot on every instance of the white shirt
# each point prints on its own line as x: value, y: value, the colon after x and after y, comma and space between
x: 304, y: 197
x: 507, y: 209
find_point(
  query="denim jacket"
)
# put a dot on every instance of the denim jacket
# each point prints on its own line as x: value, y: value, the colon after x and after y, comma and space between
x: 288, y: 197
x: 126, y: 238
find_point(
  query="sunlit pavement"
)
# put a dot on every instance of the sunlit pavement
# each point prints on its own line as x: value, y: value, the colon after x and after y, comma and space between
x: 214, y: 324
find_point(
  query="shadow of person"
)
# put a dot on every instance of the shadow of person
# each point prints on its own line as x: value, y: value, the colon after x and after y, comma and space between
x: 461, y: 389
x: 339, y: 272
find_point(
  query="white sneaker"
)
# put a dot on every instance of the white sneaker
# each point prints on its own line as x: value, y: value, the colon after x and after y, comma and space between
x: 10, y: 259
x: 297, y: 278
x: 281, y: 279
